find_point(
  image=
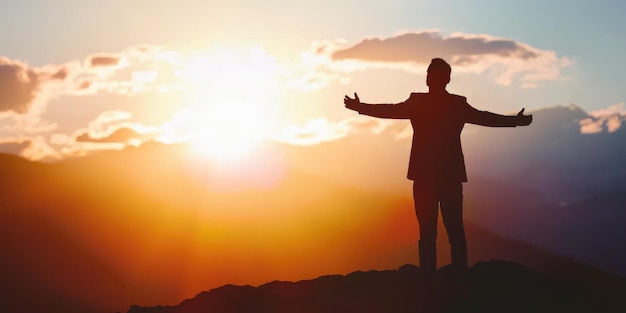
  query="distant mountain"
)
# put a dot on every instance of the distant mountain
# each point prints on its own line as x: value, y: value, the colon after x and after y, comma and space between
x: 552, y: 155
x: 553, y: 185
x: 150, y: 226
x: 593, y: 229
x: 494, y: 286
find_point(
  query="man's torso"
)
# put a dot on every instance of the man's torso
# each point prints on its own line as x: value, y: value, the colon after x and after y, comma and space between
x: 436, y: 154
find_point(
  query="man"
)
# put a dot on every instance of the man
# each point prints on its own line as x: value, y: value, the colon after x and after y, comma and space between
x: 436, y: 164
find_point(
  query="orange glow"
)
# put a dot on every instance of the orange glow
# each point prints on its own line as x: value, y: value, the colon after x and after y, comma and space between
x: 158, y: 226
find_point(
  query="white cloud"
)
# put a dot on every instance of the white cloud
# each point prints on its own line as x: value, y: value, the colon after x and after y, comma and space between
x: 616, y: 109
x: 110, y: 127
x: 132, y: 71
x: 590, y: 126
x: 313, y: 132
x: 103, y: 121
x: 320, y: 130
x: 613, y: 123
x: 609, y: 119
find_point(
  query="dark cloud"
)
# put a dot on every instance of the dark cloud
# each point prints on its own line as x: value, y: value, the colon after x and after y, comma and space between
x: 104, y: 60
x: 120, y: 135
x: 16, y: 147
x: 85, y: 85
x: 19, y: 85
x: 61, y: 74
x: 423, y: 46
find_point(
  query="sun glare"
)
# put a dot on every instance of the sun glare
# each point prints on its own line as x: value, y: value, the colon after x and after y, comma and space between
x: 228, y: 131
x: 232, y: 109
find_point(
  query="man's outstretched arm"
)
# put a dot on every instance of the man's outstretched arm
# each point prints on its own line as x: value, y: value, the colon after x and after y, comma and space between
x: 485, y: 118
x: 398, y: 111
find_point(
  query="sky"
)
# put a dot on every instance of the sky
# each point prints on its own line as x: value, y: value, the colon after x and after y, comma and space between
x: 76, y: 77
x: 224, y: 76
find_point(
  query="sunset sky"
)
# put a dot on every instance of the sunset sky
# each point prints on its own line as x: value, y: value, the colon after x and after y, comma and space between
x: 230, y: 78
x: 225, y: 75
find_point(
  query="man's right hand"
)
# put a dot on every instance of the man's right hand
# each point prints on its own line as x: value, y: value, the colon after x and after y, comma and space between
x: 351, y: 103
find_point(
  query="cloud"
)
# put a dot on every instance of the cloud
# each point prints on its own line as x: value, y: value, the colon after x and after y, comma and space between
x: 316, y: 68
x: 616, y: 109
x: 24, y: 93
x: 14, y: 146
x: 111, y: 130
x: 505, y: 60
x: 320, y: 130
x: 87, y: 148
x: 591, y: 126
x: 420, y: 47
x: 313, y: 132
x: 614, y: 123
x: 60, y: 74
x: 114, y: 137
x: 19, y: 85
x: 31, y: 148
x: 609, y: 119
x: 120, y: 135
x: 111, y: 127
x: 103, y: 120
x: 609, y: 124
x: 104, y: 60
x: 132, y: 71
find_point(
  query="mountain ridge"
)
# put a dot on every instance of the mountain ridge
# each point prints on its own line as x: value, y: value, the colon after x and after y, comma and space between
x: 491, y: 286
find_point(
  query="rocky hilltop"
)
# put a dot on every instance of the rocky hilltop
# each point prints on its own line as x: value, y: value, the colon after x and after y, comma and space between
x: 494, y: 286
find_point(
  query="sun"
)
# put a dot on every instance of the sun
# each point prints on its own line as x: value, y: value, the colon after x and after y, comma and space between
x: 231, y: 111
x: 228, y: 131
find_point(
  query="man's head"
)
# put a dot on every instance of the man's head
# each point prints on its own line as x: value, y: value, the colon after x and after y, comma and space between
x: 438, y: 74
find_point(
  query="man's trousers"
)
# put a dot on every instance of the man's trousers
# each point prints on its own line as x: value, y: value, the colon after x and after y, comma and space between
x: 429, y: 198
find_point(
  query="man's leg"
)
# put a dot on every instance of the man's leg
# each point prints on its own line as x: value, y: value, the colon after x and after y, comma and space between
x: 426, y: 208
x: 452, y: 213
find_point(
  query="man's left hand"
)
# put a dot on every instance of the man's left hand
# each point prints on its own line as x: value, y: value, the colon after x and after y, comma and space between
x: 524, y: 120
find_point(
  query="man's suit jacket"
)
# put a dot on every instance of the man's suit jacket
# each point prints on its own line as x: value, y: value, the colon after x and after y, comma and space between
x: 437, y: 120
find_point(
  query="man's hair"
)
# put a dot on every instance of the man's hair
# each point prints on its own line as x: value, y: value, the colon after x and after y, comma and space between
x: 439, y: 65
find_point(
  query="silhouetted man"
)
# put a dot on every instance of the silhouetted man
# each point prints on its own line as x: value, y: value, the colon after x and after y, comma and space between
x: 436, y: 165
